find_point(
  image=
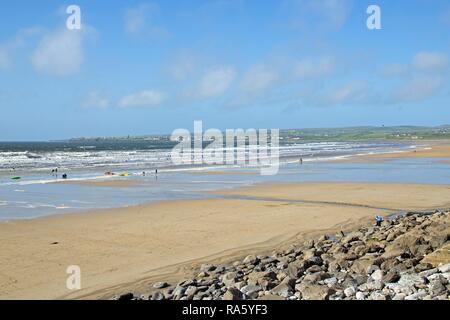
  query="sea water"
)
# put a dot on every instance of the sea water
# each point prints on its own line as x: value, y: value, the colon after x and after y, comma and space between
x: 39, y: 193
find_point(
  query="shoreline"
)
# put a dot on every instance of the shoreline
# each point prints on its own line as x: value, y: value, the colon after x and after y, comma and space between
x: 120, y: 248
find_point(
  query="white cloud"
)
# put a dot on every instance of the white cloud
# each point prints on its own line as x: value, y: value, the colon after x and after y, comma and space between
x: 319, y: 13
x: 95, y: 99
x: 59, y: 53
x: 258, y: 78
x: 5, y: 62
x: 146, y: 98
x: 19, y: 40
x: 137, y: 18
x: 394, y: 69
x: 417, y: 89
x: 353, y: 92
x: 182, y: 67
x: 430, y: 61
x: 216, y: 82
x: 314, y: 68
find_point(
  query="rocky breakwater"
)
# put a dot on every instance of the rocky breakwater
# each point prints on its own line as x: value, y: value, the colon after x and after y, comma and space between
x: 406, y: 258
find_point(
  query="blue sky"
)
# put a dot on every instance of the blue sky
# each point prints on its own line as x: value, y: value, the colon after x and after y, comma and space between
x: 144, y: 67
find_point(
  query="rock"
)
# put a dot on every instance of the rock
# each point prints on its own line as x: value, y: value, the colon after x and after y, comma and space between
x: 350, y: 292
x: 377, y: 275
x: 428, y: 273
x: 399, y: 296
x: 330, y: 281
x: 313, y: 291
x: 361, y: 265
x: 250, y: 259
x: 314, y: 269
x: 233, y: 294
x: 411, y: 280
x: 377, y: 296
x: 255, y: 276
x: 160, y: 285
x: 229, y: 278
x: 190, y: 291
x: 294, y: 271
x: 207, y: 267
x: 178, y: 292
x: 251, y: 290
x: 360, y: 296
x: 436, y: 287
x: 270, y: 297
x: 126, y: 296
x: 445, y: 268
x: 416, y: 296
x: 351, y: 237
x: 158, y: 296
x: 391, y: 277
x: 315, y: 277
x: 283, y: 289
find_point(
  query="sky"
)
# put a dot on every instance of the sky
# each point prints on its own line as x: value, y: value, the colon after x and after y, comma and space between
x: 150, y: 67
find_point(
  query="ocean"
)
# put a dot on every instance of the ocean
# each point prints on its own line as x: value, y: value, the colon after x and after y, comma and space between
x: 39, y: 192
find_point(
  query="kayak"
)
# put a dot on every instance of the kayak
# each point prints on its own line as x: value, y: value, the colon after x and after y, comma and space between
x: 124, y: 174
x: 15, y: 178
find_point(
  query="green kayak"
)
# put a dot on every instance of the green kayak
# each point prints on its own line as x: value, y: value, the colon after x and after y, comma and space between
x: 15, y: 178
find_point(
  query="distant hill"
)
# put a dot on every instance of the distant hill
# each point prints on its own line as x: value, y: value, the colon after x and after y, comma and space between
x: 323, y: 134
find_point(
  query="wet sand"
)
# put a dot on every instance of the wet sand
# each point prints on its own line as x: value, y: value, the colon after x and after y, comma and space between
x: 118, y: 249
x: 104, y: 183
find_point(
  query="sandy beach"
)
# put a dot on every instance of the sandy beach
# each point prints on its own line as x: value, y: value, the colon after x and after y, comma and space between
x: 121, y: 248
x: 432, y: 149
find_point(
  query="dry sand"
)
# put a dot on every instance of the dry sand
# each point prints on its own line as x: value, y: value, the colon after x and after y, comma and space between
x: 119, y: 249
x: 430, y: 150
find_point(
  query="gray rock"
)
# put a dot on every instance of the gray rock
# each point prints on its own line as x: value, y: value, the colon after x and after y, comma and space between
x: 233, y: 294
x: 411, y: 280
x: 190, y: 291
x: 428, y: 272
x: 399, y: 296
x: 445, y: 268
x: 360, y: 296
x: 391, y: 277
x: 158, y: 296
x: 350, y: 291
x: 207, y: 267
x: 229, y: 278
x: 313, y: 291
x: 283, y: 289
x: 160, y: 285
x: 377, y: 275
x: 377, y: 296
x: 251, y: 290
x: 250, y: 259
x: 416, y: 296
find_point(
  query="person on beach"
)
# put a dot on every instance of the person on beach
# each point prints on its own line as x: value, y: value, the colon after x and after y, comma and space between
x: 378, y: 221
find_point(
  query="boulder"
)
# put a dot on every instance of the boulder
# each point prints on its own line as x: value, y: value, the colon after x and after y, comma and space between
x: 233, y: 294
x: 160, y: 285
x: 283, y: 289
x: 313, y: 291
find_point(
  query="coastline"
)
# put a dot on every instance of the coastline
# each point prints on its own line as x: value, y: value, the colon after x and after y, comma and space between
x: 121, y: 248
